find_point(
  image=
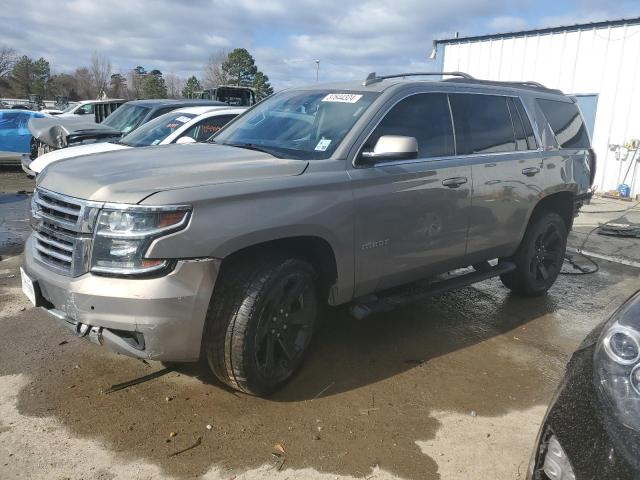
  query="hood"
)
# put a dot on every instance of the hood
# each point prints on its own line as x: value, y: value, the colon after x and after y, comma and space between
x: 63, y: 153
x: 129, y: 176
x: 58, y: 132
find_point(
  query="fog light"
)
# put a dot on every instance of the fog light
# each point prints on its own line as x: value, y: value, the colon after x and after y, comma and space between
x: 556, y: 464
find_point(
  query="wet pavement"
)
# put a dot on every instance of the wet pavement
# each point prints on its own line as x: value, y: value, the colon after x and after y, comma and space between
x: 453, y: 387
x: 15, y: 196
x: 14, y: 223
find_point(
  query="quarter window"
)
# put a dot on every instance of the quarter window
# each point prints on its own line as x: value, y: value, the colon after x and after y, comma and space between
x: 518, y: 129
x: 424, y: 116
x: 566, y: 122
x: 483, y: 124
x: 528, y: 129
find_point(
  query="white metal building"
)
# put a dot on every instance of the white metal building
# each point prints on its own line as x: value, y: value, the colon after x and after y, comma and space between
x: 597, y: 62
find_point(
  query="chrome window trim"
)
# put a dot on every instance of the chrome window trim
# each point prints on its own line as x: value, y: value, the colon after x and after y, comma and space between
x: 448, y: 158
x: 447, y: 92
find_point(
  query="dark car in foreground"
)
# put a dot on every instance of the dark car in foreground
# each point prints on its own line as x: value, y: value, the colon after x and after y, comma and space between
x: 54, y: 133
x: 592, y: 428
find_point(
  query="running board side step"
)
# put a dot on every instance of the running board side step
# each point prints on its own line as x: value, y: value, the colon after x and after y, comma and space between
x: 414, y: 293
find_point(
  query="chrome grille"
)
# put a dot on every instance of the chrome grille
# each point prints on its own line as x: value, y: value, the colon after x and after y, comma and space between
x: 63, y: 228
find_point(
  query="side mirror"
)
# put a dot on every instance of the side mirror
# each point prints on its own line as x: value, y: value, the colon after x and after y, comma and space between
x: 391, y: 147
x: 80, y: 111
x: 184, y: 140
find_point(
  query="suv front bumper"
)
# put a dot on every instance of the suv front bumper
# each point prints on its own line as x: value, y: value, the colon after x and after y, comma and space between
x: 153, y: 318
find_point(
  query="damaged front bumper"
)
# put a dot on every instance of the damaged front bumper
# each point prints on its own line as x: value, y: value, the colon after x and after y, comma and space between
x: 153, y: 318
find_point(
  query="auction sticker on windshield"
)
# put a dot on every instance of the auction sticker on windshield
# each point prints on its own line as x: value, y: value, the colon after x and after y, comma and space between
x: 323, y: 144
x: 342, y: 97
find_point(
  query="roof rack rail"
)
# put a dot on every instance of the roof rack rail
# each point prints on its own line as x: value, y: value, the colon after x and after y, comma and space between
x: 528, y: 84
x: 373, y: 78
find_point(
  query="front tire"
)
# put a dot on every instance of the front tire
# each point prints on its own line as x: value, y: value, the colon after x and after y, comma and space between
x: 539, y: 257
x: 260, y: 322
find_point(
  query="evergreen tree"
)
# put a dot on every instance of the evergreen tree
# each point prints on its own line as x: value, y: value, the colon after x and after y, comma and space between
x: 192, y: 86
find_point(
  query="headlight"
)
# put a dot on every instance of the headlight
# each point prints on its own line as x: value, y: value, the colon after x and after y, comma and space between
x: 617, y: 363
x: 123, y: 236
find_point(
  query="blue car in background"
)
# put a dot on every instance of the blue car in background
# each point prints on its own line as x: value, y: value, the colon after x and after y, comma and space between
x: 15, y: 137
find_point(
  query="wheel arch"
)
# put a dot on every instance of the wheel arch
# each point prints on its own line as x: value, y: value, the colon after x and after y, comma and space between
x: 312, y: 248
x: 561, y: 203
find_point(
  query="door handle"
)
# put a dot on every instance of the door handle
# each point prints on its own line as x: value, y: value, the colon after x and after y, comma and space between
x: 454, y: 182
x: 531, y: 171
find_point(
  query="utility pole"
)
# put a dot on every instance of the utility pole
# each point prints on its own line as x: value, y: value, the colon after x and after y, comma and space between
x: 317, y: 68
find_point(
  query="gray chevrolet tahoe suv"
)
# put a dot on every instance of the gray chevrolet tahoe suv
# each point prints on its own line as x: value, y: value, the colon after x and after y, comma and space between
x: 355, y: 193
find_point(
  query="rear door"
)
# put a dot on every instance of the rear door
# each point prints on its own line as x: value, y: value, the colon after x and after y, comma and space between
x: 411, y: 215
x: 494, y: 139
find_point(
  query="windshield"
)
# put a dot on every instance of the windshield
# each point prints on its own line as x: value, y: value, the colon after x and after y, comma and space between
x: 126, y: 117
x: 69, y: 108
x: 299, y: 124
x: 155, y: 131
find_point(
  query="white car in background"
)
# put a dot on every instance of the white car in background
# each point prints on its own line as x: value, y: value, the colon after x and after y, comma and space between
x: 184, y: 125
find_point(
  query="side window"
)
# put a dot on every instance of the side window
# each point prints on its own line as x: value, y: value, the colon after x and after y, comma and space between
x: 161, y: 111
x: 203, y: 130
x: 483, y: 123
x: 86, y: 109
x: 566, y: 122
x: 518, y: 129
x: 424, y: 116
x: 528, y: 129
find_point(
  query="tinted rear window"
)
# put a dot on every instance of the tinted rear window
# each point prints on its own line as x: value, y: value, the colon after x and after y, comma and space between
x: 566, y: 122
x: 482, y: 123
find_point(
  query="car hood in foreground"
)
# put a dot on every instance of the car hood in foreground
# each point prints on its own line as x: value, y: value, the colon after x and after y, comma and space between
x: 58, y: 131
x: 129, y: 176
x: 63, y: 153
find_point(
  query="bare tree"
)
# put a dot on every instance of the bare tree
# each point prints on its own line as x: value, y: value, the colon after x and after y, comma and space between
x: 7, y: 60
x: 135, y: 80
x: 84, y: 83
x: 175, y: 84
x: 212, y: 74
x: 100, y: 74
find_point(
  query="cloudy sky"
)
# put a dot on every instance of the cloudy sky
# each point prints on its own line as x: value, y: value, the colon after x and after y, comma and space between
x: 285, y: 36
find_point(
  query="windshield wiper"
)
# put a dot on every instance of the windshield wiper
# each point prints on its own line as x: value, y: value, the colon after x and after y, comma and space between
x: 253, y: 146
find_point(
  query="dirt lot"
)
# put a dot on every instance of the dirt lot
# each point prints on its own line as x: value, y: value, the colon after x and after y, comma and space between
x: 452, y: 388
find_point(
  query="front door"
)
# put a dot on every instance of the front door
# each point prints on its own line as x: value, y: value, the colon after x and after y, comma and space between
x: 411, y: 216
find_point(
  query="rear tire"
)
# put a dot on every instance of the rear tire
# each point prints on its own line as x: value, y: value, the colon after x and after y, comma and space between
x: 539, y: 257
x: 260, y: 322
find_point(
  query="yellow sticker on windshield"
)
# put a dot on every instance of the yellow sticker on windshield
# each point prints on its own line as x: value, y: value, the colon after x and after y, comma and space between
x: 342, y: 97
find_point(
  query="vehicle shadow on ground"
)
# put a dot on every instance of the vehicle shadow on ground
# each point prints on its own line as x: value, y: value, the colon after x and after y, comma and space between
x: 348, y: 354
